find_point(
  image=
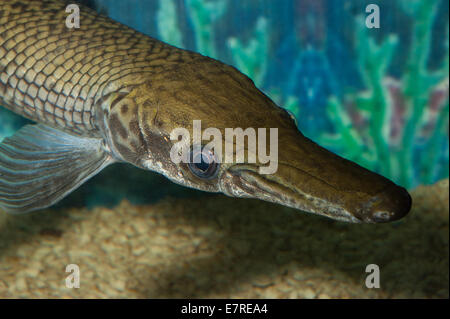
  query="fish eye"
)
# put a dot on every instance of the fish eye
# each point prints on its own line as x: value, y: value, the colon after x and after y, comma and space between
x: 203, y: 163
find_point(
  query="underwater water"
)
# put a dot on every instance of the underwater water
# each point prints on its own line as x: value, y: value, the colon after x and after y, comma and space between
x: 376, y: 96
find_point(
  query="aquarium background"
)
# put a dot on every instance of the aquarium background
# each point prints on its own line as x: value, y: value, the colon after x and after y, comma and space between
x: 377, y: 96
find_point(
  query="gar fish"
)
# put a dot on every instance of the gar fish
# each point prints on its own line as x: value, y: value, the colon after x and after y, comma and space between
x: 105, y: 93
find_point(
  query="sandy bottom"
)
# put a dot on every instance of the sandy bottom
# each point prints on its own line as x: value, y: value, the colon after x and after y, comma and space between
x: 220, y: 247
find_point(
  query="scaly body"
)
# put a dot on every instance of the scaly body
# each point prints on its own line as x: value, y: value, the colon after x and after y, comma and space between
x: 105, y: 93
x: 56, y: 76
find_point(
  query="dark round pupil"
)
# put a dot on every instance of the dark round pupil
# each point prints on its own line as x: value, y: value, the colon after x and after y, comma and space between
x: 204, y: 163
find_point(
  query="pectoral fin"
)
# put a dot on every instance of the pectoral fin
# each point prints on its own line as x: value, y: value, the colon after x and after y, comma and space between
x: 40, y: 165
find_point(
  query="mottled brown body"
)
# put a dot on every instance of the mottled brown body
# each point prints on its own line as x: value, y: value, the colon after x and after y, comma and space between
x: 55, y: 75
x: 127, y: 92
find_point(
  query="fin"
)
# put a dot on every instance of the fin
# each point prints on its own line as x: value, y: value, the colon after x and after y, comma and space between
x: 40, y: 165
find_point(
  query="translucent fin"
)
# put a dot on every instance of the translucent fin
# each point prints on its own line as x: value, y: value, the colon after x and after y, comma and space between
x: 40, y: 165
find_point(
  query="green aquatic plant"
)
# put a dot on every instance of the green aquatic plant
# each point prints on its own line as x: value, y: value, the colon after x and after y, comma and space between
x: 395, y: 111
x: 370, y: 147
x: 167, y: 22
x: 252, y: 58
x: 204, y: 14
x: 347, y: 141
x: 430, y: 162
x: 418, y: 81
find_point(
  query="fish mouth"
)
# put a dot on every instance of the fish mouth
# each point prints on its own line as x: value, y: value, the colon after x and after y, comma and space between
x: 293, y: 188
x: 392, y: 204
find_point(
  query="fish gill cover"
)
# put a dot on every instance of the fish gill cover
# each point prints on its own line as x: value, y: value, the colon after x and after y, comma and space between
x: 375, y: 96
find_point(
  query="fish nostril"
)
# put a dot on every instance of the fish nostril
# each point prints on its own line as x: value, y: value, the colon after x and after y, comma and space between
x: 381, y: 216
x: 392, y: 204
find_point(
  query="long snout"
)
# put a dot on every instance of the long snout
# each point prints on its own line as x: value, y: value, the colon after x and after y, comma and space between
x: 314, y: 180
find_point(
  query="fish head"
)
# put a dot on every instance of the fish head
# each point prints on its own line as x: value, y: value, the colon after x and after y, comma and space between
x: 301, y: 174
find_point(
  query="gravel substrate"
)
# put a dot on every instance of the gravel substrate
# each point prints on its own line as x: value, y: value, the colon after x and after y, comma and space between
x: 220, y: 247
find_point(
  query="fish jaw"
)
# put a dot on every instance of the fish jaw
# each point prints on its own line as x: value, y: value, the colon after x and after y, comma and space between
x: 293, y: 187
x: 248, y: 183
